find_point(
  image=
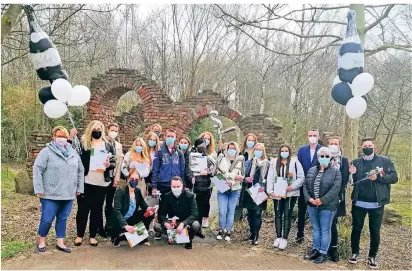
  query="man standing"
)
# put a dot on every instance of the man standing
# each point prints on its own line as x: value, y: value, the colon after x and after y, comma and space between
x: 370, y: 193
x: 308, y: 158
x: 180, y: 204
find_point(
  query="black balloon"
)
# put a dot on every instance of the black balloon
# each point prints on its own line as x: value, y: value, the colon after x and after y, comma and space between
x: 341, y: 93
x: 348, y: 75
x: 57, y: 75
x: 45, y: 95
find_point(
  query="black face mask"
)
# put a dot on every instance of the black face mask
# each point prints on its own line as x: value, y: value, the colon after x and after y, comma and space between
x: 367, y: 151
x: 97, y: 134
x: 201, y: 149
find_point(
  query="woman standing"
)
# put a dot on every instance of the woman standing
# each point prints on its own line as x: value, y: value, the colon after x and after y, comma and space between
x: 153, y: 144
x: 138, y: 157
x: 184, y: 146
x: 248, y: 145
x: 340, y: 162
x: 232, y: 166
x: 291, y: 169
x: 96, y: 181
x: 256, y: 175
x: 58, y: 176
x: 321, y: 190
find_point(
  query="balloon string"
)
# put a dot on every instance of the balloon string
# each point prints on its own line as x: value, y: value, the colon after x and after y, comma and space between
x: 75, y: 141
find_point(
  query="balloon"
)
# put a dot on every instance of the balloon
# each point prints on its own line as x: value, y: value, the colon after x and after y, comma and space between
x: 348, y: 75
x: 80, y: 96
x: 355, y: 107
x: 55, y: 109
x: 341, y: 93
x: 61, y: 89
x: 362, y: 84
x: 45, y: 95
x: 58, y: 74
x: 351, y: 60
x: 336, y: 80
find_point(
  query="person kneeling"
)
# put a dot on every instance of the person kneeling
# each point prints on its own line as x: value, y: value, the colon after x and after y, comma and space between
x: 181, y: 204
x: 125, y: 216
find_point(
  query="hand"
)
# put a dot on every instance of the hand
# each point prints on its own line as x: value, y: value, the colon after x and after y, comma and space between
x: 352, y: 169
x: 289, y: 188
x: 373, y: 176
x: 318, y: 202
x: 126, y: 162
x: 78, y: 193
x: 227, y: 182
x: 40, y: 195
x: 272, y: 195
x: 116, y: 182
x: 261, y: 189
x: 154, y: 191
x: 151, y: 210
x: 180, y: 228
x: 73, y: 132
x: 249, y: 179
x: 106, y: 163
x: 187, y: 188
x: 129, y: 229
x: 168, y: 226
x: 312, y: 201
x: 193, y: 179
x: 239, y: 178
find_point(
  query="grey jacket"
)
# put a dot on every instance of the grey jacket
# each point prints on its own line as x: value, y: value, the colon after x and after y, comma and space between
x: 329, y: 189
x: 58, y: 177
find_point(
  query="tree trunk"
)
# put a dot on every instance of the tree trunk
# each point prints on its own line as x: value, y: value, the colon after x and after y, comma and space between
x: 12, y: 16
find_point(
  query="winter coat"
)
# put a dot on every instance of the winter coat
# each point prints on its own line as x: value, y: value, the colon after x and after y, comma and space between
x: 259, y: 176
x: 295, y: 168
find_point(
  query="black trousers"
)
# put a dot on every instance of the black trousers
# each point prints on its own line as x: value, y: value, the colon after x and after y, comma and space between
x: 163, y: 189
x: 302, y: 207
x: 334, y: 233
x: 91, y: 201
x: 138, y: 216
x: 108, y: 209
x: 283, y: 215
x: 375, y: 221
x: 254, y: 217
x: 203, y: 203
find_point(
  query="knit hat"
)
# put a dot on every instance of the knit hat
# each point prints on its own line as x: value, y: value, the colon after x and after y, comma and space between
x: 199, y: 141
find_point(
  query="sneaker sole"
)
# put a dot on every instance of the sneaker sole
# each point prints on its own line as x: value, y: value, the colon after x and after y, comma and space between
x: 158, y: 238
x: 352, y: 262
x: 218, y: 238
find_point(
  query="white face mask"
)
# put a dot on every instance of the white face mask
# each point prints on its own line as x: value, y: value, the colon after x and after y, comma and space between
x: 313, y: 140
x: 113, y: 135
x: 334, y: 148
x: 177, y: 191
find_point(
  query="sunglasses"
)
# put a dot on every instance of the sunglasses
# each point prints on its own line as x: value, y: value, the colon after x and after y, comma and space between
x: 323, y: 156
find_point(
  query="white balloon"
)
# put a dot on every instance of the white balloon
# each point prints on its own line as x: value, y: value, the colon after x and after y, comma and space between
x: 355, y: 107
x: 336, y: 80
x: 55, y: 109
x: 61, y: 89
x: 80, y: 96
x: 362, y: 84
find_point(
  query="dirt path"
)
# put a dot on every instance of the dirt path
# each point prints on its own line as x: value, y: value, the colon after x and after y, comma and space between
x: 162, y: 256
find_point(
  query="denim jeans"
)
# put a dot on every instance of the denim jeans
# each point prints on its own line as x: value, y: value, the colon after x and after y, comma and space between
x: 50, y: 209
x: 321, y: 221
x: 227, y: 204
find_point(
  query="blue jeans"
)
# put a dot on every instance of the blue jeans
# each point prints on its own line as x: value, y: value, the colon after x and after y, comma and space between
x: 227, y: 204
x: 321, y: 228
x: 50, y: 209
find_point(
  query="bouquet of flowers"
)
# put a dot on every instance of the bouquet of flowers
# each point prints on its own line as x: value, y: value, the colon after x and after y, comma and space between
x: 289, y: 178
x: 377, y: 171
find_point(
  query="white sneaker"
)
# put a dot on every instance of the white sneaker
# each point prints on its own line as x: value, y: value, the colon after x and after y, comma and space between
x: 277, y: 242
x: 205, y: 222
x: 283, y: 244
x: 227, y: 237
x: 220, y: 235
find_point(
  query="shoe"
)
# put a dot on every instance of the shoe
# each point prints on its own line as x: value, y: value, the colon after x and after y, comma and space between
x: 93, y: 244
x: 333, y: 254
x: 354, y: 258
x: 77, y: 242
x: 255, y: 240
x: 102, y: 233
x: 321, y: 258
x: 299, y: 239
x: 205, y: 222
x: 227, y: 236
x: 116, y: 242
x: 188, y: 245
x: 64, y: 249
x: 313, y: 255
x: 277, y: 242
x: 200, y: 234
x: 372, y: 262
x: 283, y: 244
x: 220, y: 235
x: 41, y: 249
x: 158, y: 236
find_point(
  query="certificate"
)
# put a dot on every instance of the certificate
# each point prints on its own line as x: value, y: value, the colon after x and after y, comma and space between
x: 279, y: 187
x: 97, y: 159
x: 138, y: 236
x: 198, y: 165
x: 258, y: 197
x: 182, y: 238
x: 220, y: 182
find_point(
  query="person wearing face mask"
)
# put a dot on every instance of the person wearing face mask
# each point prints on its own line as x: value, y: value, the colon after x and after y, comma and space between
x: 232, y: 165
x: 181, y: 204
x: 157, y: 129
x: 369, y: 196
x: 321, y: 191
x: 126, y: 213
x: 282, y: 167
x: 184, y: 147
x: 340, y: 162
x: 308, y: 159
x: 153, y: 144
x: 96, y: 181
x: 256, y: 175
x: 210, y: 144
x: 248, y: 146
x: 58, y: 176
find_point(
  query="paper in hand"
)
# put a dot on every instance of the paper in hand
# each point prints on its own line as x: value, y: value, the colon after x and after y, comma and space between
x: 220, y: 182
x: 97, y: 159
x: 138, y: 236
x: 279, y: 187
x: 258, y: 197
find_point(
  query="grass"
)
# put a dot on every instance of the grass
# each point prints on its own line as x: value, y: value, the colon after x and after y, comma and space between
x: 7, y: 179
x: 11, y: 249
x: 401, y: 200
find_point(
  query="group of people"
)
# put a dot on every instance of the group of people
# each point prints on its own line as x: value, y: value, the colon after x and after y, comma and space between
x: 160, y: 173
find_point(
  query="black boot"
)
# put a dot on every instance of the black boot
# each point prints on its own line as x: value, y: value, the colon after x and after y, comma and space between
x: 321, y: 259
x: 333, y: 254
x: 200, y: 234
x: 255, y: 240
x: 313, y: 255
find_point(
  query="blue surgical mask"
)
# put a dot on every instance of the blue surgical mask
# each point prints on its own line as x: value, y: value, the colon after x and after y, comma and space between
x: 207, y: 142
x: 231, y: 152
x: 183, y: 146
x: 170, y: 141
x: 284, y: 155
x: 132, y: 183
x: 250, y: 144
x: 152, y: 143
x: 138, y: 149
x: 324, y: 161
x: 258, y: 153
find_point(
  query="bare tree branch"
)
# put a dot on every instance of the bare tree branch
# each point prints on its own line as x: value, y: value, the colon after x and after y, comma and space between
x: 382, y: 17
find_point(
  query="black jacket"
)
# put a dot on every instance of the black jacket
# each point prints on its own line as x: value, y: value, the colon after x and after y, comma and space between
x: 382, y: 185
x: 116, y: 220
x: 184, y: 207
x: 202, y: 183
x: 330, y: 186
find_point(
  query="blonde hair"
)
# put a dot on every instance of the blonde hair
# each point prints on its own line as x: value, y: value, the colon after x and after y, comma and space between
x: 87, y: 136
x: 264, y: 156
x: 211, y: 147
x: 133, y: 153
x: 245, y: 140
x: 60, y: 128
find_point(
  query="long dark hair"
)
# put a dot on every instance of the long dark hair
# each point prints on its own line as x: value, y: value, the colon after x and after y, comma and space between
x: 278, y: 162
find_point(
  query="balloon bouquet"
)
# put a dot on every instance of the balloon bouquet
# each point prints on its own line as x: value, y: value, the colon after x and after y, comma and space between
x: 351, y: 84
x: 46, y: 60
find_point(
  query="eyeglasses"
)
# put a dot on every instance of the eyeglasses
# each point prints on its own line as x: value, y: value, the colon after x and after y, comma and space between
x: 323, y: 156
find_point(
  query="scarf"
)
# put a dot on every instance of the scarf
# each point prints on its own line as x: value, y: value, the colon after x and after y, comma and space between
x: 336, y: 160
x: 65, y: 150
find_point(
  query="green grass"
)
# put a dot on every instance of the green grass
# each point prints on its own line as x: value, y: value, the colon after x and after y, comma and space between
x: 11, y: 249
x: 401, y: 200
x: 7, y: 179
